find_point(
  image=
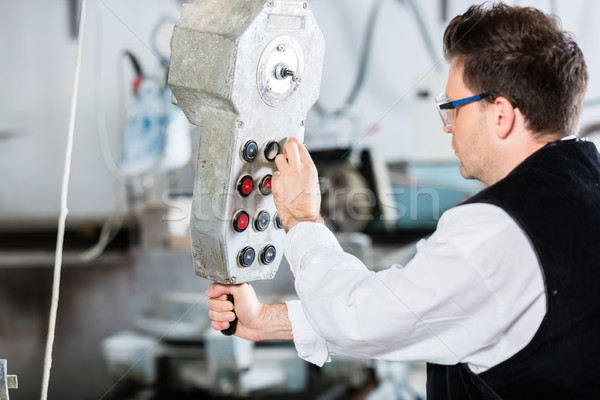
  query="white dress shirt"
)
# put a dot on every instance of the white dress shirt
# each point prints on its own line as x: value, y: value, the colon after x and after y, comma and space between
x: 473, y: 293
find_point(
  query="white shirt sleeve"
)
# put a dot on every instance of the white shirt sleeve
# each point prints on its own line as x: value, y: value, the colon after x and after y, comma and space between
x: 473, y: 293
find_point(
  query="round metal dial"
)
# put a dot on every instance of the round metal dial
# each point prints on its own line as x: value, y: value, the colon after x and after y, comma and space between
x: 273, y: 87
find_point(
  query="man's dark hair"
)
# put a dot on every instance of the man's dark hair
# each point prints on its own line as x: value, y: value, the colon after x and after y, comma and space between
x: 526, y: 56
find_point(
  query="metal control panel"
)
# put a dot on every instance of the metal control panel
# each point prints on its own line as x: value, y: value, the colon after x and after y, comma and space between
x: 246, y: 72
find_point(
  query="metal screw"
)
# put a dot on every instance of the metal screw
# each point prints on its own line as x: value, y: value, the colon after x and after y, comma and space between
x: 272, y: 275
x: 305, y: 5
x: 281, y: 48
x: 270, y: 3
x: 302, y: 123
x: 268, y: 88
x: 240, y: 124
x: 296, y: 78
x: 233, y: 279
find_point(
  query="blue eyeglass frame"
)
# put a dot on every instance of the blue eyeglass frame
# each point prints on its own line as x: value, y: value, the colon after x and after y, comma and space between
x: 451, y: 105
x: 457, y: 103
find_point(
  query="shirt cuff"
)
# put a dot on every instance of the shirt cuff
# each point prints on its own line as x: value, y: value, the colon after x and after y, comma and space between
x: 304, y: 236
x: 309, y: 345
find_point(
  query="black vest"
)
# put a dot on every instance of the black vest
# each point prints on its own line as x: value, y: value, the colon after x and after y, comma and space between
x: 554, y: 196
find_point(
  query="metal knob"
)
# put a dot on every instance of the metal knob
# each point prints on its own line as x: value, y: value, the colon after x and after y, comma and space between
x: 283, y: 71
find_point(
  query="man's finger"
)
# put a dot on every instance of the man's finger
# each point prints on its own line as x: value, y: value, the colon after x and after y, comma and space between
x: 220, y: 305
x: 219, y: 326
x: 294, y: 139
x: 221, y: 316
x: 216, y: 290
x: 281, y: 162
x: 305, y: 157
x: 292, y: 153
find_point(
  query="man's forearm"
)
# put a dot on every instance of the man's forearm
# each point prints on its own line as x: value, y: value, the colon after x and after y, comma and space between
x: 276, y: 324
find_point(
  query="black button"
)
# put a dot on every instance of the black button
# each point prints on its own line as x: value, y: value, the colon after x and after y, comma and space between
x: 268, y: 254
x: 277, y: 221
x: 245, y: 186
x: 241, y: 221
x: 262, y: 221
x: 246, y: 256
x: 265, y: 185
x: 271, y: 150
x: 250, y: 150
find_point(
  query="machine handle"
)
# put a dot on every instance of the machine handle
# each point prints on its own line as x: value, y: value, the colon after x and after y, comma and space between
x: 233, y: 324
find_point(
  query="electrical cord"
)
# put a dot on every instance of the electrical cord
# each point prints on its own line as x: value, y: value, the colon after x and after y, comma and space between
x: 63, y: 210
x: 114, y: 222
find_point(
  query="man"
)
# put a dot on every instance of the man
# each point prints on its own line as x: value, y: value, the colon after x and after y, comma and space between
x: 503, y: 300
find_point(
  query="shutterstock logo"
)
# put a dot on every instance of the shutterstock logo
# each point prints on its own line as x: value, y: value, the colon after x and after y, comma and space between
x: 337, y: 205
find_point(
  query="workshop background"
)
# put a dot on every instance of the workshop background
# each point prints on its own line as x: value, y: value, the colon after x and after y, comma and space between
x: 132, y: 318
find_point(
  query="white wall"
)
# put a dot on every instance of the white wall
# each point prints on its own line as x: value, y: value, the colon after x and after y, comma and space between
x: 36, y: 75
x: 37, y: 66
x: 399, y: 62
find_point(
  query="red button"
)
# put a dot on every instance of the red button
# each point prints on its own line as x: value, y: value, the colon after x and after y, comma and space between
x: 245, y: 186
x: 241, y: 221
x: 265, y: 185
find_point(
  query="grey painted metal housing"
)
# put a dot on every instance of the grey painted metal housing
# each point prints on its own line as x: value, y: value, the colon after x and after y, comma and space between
x: 242, y: 70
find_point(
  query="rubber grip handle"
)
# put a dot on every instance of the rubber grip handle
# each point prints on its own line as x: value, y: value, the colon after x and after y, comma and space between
x: 233, y: 324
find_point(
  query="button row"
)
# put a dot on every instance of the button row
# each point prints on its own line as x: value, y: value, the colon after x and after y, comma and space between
x: 250, y: 150
x: 247, y: 255
x: 246, y: 184
x: 241, y: 220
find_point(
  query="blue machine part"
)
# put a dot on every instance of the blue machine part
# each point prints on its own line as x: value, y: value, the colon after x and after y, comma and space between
x: 144, y: 134
x: 426, y: 193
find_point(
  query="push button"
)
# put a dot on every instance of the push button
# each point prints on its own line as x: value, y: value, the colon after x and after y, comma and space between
x: 277, y: 221
x: 246, y: 257
x: 271, y: 150
x: 268, y: 254
x: 262, y: 220
x: 265, y: 185
x: 241, y: 221
x: 245, y: 186
x: 249, y: 150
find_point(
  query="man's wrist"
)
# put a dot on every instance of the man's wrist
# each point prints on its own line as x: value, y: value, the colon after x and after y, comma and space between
x: 277, y: 325
x: 318, y: 219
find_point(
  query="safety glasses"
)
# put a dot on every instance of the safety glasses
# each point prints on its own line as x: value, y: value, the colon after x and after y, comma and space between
x: 448, y: 109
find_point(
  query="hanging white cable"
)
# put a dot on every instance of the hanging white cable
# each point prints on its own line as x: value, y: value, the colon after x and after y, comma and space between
x: 63, y: 210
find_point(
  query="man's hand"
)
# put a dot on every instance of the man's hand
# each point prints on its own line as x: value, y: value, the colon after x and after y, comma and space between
x: 295, y: 186
x: 256, y: 321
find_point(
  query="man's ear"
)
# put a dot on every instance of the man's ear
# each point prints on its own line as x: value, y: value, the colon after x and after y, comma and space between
x: 506, y: 117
